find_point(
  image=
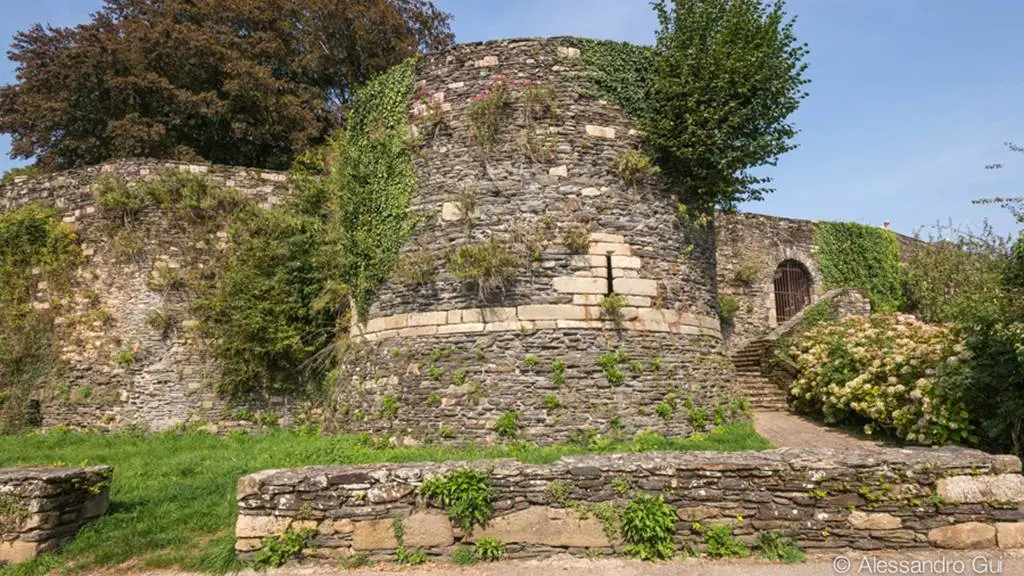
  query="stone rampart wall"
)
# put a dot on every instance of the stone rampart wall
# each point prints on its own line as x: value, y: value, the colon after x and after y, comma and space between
x: 42, y: 507
x: 109, y: 317
x: 879, y: 499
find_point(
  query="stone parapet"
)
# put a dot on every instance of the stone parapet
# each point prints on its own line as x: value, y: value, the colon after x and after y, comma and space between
x: 42, y: 507
x: 864, y: 500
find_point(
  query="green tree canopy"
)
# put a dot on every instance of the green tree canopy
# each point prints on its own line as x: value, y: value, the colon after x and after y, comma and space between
x: 233, y: 81
x: 727, y: 75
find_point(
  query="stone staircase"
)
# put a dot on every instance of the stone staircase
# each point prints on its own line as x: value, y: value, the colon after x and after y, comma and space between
x: 762, y: 393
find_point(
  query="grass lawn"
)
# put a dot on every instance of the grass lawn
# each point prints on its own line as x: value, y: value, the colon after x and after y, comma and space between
x: 173, y: 495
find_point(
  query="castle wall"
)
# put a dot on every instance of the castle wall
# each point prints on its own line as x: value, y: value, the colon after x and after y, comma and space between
x: 453, y: 360
x: 169, y: 380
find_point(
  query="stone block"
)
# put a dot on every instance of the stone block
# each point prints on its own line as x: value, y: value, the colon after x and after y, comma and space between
x: 391, y: 492
x: 587, y: 299
x: 450, y: 212
x: 387, y: 323
x: 472, y: 315
x: 603, y: 248
x: 546, y: 526
x: 511, y: 326
x: 454, y: 317
x: 260, y: 526
x: 600, y: 131
x: 574, y: 285
x: 374, y: 535
x: 627, y: 262
x: 1006, y: 464
x: 636, y: 287
x: 18, y: 551
x: 697, y: 513
x: 980, y: 489
x: 551, y: 312
x: 562, y: 171
x: 486, y: 62
x: 874, y: 521
x: 966, y: 536
x: 568, y: 52
x: 498, y: 314
x: 590, y: 192
x: 1010, y: 535
x: 428, y: 529
x: 248, y: 544
x: 427, y: 318
x: 609, y: 238
x: 418, y: 331
x: 461, y: 328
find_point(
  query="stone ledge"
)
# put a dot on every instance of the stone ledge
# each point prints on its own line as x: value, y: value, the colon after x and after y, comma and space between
x: 582, y: 315
x: 750, y: 491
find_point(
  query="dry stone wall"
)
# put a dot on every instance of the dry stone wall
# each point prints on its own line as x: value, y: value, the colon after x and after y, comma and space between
x: 118, y: 369
x: 42, y: 507
x: 878, y: 499
x: 456, y: 360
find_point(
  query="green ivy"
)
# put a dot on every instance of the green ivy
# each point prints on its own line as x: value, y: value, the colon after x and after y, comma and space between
x: 35, y: 247
x: 619, y: 72
x: 852, y: 255
x: 370, y: 179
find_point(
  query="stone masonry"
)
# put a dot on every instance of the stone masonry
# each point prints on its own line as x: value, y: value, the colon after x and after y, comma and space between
x: 871, y: 500
x: 42, y: 507
x: 455, y: 360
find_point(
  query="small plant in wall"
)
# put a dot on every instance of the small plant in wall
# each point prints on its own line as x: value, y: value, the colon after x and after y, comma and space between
x: 610, y: 362
x: 558, y: 372
x: 427, y: 112
x: 278, y: 550
x: 538, y: 100
x: 489, y: 549
x: 507, y: 425
x: 635, y: 167
x: 489, y: 265
x: 720, y: 542
x: 728, y: 305
x: 388, y: 407
x: 486, y: 110
x: 577, y: 240
x: 465, y: 494
x: 416, y: 268
x: 648, y: 524
x: 612, y: 307
x: 779, y: 548
x: 551, y: 402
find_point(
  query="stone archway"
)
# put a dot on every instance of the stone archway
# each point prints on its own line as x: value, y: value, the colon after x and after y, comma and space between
x: 793, y: 283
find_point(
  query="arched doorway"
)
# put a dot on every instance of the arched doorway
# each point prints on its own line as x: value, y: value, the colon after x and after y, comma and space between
x: 792, y: 289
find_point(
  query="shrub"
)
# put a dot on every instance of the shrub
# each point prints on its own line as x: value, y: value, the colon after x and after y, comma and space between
x: 746, y: 273
x: 127, y: 245
x: 728, y: 306
x: 414, y: 269
x: 635, y: 167
x: 118, y: 200
x: 408, y: 557
x: 125, y: 357
x: 609, y: 362
x: 720, y: 542
x: 666, y: 408
x: 464, y: 493
x: 538, y: 102
x: 612, y: 306
x: 388, y: 407
x: 488, y: 265
x: 507, y: 425
x: 163, y: 278
x: 278, y: 550
x: 162, y: 320
x: 489, y: 549
x: 697, y: 417
x: 558, y: 372
x: 486, y: 111
x: 779, y: 548
x: 464, y: 556
x: 890, y: 372
x: 551, y: 402
x: 648, y: 525
x: 577, y: 240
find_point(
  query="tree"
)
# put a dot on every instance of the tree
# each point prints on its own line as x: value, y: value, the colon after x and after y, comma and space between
x: 727, y: 76
x: 232, y: 81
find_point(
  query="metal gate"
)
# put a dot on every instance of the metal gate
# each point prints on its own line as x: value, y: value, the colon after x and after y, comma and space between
x: 792, y: 289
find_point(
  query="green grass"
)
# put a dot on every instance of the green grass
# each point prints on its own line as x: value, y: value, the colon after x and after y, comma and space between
x: 173, y: 495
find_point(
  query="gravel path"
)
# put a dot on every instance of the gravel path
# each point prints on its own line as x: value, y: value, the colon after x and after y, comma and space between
x: 787, y: 430
x: 981, y: 562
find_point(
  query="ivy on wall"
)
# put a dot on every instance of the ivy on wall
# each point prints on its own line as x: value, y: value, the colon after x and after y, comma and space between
x: 619, y: 72
x: 852, y: 255
x: 37, y: 249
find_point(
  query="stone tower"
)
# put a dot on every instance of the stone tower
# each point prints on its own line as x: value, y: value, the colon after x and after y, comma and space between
x: 537, y: 357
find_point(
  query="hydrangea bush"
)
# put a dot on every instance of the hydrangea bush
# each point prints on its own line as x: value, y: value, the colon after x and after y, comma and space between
x: 890, y: 372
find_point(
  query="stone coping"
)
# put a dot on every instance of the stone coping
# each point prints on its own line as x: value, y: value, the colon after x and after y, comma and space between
x: 50, y: 474
x: 535, y: 317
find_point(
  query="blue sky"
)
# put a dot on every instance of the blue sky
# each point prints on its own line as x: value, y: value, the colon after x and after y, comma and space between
x: 909, y: 99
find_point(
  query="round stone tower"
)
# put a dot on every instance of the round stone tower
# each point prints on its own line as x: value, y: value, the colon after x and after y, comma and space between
x: 527, y: 196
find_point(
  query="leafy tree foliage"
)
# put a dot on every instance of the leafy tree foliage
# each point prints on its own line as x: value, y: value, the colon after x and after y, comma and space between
x: 727, y: 75
x: 232, y: 81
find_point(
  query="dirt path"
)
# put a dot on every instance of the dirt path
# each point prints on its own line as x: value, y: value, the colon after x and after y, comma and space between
x: 980, y: 562
x: 787, y: 430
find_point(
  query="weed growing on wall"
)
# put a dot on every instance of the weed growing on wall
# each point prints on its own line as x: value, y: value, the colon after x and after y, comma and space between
x: 464, y: 493
x: 486, y: 110
x: 490, y: 266
x: 36, y: 247
x: 648, y: 525
x: 852, y: 255
x: 635, y: 167
x: 612, y: 307
x: 279, y: 550
x: 720, y: 542
x: 489, y: 549
x: 728, y: 306
x: 779, y: 548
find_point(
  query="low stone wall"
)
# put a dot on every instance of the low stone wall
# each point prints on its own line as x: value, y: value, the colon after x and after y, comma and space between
x: 41, y: 507
x: 879, y: 499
